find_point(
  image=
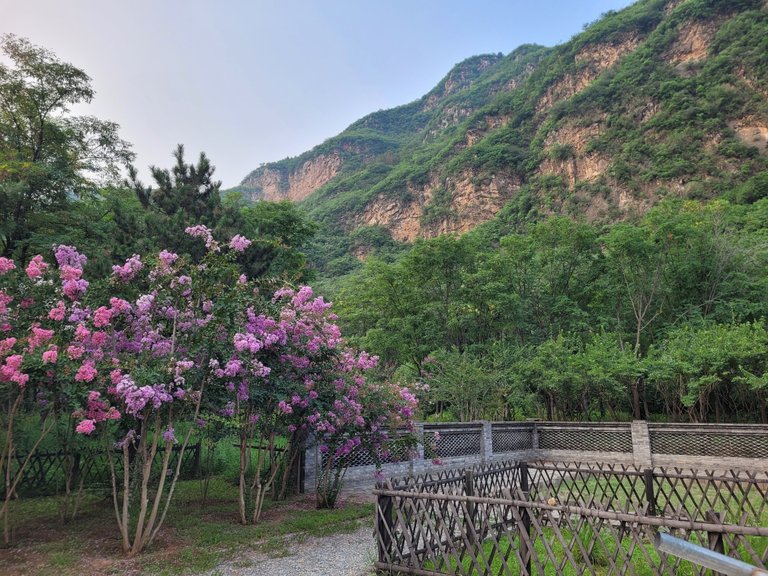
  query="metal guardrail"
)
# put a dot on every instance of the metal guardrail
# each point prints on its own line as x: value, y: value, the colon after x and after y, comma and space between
x: 705, y: 557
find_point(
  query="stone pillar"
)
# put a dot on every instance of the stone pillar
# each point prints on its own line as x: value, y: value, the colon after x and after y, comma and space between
x: 535, y: 437
x: 486, y: 441
x: 416, y: 458
x: 641, y: 444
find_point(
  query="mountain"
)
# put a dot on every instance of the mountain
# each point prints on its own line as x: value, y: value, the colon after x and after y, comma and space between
x: 665, y: 97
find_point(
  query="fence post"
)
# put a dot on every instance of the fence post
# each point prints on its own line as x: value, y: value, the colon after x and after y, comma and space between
x: 525, y: 552
x: 650, y: 495
x: 384, y: 527
x: 715, y: 539
x: 469, y: 521
x: 486, y: 442
x: 302, y: 475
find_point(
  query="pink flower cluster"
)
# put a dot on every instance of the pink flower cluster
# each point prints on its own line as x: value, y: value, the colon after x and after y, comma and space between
x: 239, y: 243
x: 137, y: 397
x: 10, y: 371
x: 128, y: 271
x: 6, y: 265
x: 71, y: 264
x: 36, y: 267
x: 201, y: 231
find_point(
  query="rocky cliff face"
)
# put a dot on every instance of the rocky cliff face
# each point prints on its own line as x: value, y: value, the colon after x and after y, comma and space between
x: 268, y: 183
x: 466, y: 201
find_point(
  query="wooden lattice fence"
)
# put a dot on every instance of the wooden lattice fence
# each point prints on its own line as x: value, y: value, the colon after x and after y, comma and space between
x: 46, y: 472
x: 567, y: 518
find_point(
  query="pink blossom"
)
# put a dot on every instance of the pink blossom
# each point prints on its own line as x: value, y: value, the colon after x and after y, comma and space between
x: 201, y: 231
x: 102, y: 316
x: 98, y: 338
x: 69, y: 256
x: 239, y: 243
x: 118, y: 305
x: 70, y: 273
x: 57, y: 313
x: 169, y: 436
x: 86, y: 372
x: 73, y: 289
x: 128, y: 271
x: 6, y: 265
x: 10, y: 371
x: 168, y: 258
x: 39, y: 337
x: 86, y: 427
x: 74, y: 352
x: 36, y: 267
x: 6, y: 345
x: 4, y: 301
x: 82, y: 333
x: 51, y: 355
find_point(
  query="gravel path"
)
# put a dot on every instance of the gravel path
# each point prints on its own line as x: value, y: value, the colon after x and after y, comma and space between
x: 336, y: 555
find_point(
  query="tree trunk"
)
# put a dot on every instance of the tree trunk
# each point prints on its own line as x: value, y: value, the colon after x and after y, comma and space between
x: 635, y: 388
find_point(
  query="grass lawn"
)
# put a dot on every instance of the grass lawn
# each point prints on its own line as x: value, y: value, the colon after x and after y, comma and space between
x: 193, y: 539
x: 502, y: 558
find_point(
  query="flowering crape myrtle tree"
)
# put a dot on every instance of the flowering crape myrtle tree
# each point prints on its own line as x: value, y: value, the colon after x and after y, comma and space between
x: 146, y: 359
x: 35, y: 304
x: 131, y: 363
x: 291, y: 377
x: 359, y: 415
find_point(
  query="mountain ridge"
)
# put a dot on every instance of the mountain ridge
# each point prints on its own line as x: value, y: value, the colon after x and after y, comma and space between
x: 661, y: 98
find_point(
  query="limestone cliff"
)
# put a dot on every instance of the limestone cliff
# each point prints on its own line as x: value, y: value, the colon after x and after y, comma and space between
x: 274, y: 184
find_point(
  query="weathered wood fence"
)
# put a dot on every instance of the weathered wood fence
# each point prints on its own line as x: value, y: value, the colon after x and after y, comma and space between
x: 639, y: 443
x: 566, y: 518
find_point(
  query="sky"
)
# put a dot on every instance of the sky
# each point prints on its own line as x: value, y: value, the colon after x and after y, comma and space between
x: 256, y: 81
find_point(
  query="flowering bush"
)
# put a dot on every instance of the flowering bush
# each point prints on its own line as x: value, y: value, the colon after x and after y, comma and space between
x: 38, y: 316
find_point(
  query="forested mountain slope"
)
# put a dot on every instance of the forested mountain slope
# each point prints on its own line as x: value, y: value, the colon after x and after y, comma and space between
x: 664, y: 98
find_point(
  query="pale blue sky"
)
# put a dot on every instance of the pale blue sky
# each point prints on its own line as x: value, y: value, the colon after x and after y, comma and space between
x: 253, y: 82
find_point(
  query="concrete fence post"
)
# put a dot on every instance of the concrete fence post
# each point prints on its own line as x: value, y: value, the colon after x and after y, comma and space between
x: 641, y: 444
x: 486, y: 441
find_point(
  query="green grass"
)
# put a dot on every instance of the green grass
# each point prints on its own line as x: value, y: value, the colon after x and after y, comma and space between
x: 489, y: 557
